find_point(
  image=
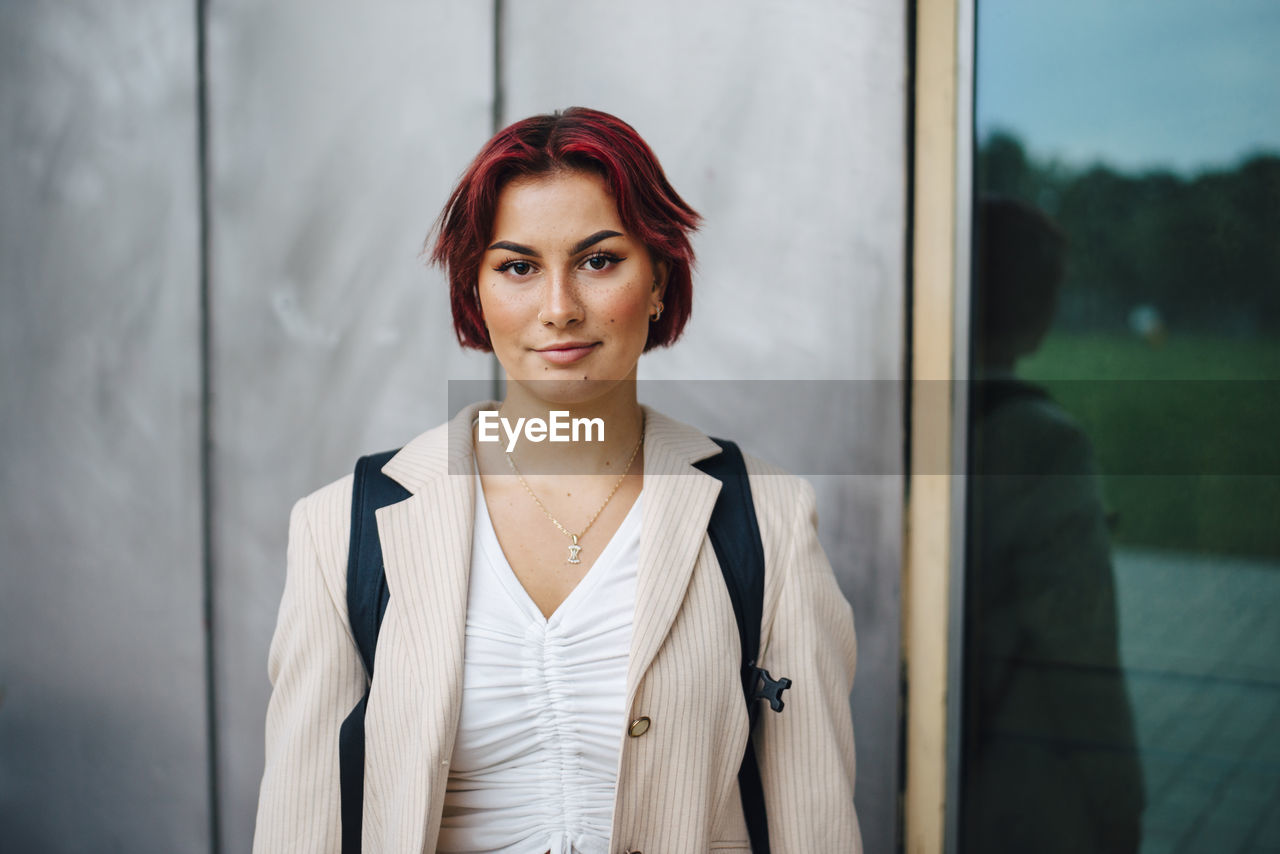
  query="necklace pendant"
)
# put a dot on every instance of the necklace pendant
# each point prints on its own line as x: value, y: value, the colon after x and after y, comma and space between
x: 573, y: 551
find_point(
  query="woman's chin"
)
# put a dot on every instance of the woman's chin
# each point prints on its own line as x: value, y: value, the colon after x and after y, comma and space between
x: 567, y: 390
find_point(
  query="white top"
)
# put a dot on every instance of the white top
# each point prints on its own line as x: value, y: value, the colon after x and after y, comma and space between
x: 535, y: 763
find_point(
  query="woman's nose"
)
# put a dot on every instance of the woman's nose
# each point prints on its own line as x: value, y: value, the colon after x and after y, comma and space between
x: 560, y: 304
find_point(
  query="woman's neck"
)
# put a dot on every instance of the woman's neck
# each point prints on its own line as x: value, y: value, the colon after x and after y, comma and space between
x: 596, y: 435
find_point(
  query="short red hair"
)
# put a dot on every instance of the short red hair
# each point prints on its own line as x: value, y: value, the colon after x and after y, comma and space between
x: 578, y: 139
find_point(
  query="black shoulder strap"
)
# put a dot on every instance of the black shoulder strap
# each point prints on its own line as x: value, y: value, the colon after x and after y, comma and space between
x: 735, y: 536
x: 367, y: 597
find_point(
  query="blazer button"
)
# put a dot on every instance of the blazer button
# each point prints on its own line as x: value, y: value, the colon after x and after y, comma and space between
x: 638, y: 728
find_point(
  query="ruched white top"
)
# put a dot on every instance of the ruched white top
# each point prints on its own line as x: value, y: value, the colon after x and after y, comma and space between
x: 535, y: 762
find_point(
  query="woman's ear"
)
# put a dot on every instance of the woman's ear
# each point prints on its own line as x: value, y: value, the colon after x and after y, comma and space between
x: 661, y: 269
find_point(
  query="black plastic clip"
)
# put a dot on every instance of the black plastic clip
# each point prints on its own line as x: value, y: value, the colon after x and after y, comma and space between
x: 765, y: 687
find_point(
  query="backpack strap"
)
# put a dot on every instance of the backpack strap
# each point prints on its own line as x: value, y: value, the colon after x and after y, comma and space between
x: 367, y: 597
x: 735, y: 535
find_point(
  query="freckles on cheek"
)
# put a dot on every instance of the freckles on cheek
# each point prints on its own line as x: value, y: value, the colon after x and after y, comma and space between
x: 636, y: 301
x: 503, y: 310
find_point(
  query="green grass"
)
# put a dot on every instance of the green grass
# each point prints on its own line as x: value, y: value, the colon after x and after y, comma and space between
x: 1101, y: 356
x: 1187, y: 434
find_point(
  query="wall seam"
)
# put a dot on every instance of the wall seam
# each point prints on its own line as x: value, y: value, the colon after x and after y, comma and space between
x: 498, y: 108
x: 908, y: 398
x: 206, y: 428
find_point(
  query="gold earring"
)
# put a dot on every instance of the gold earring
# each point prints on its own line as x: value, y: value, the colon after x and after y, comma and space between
x: 657, y: 312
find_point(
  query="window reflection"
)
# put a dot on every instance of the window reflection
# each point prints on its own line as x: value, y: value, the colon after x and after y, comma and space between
x: 1122, y: 650
x: 1052, y: 763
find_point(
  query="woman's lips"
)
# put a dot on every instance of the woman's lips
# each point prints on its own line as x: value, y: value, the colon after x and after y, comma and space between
x: 566, y: 354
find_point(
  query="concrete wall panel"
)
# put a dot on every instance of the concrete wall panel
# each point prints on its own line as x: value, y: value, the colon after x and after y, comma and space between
x: 335, y: 134
x: 102, y: 690
x: 783, y: 124
x: 337, y: 131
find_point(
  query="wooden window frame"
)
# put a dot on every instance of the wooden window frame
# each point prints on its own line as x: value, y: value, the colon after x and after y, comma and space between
x: 933, y: 562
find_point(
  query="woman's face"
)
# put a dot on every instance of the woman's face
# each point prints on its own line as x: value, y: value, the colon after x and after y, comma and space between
x: 565, y: 291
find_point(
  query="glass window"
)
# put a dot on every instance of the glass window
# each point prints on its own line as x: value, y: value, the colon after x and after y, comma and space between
x: 1122, y: 581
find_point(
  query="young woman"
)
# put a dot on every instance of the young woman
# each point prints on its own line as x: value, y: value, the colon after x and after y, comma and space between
x: 558, y: 667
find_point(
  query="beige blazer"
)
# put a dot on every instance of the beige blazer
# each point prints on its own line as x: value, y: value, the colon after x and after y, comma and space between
x: 677, y: 783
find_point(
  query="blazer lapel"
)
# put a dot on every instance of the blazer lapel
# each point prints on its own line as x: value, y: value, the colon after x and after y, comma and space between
x: 426, y: 546
x: 677, y: 506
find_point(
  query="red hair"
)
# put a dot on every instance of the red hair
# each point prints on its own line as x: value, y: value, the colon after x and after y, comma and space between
x: 578, y: 139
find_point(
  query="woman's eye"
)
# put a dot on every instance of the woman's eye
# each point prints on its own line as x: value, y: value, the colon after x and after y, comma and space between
x: 520, y: 268
x: 601, y: 261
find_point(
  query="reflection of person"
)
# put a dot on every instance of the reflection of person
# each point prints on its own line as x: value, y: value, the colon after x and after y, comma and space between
x: 530, y: 696
x: 1050, y: 756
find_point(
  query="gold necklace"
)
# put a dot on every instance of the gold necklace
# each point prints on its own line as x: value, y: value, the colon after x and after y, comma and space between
x: 574, y: 549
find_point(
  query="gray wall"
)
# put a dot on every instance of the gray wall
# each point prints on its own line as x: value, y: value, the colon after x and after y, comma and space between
x: 103, y: 739
x: 335, y: 132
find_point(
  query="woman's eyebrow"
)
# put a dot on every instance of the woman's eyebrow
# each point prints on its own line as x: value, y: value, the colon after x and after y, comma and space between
x: 603, y: 234
x: 514, y: 247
